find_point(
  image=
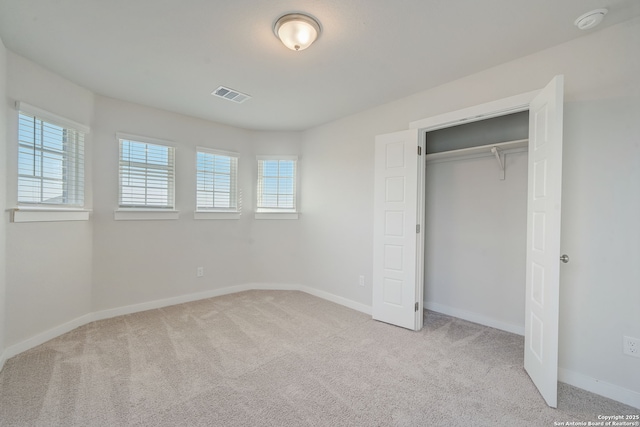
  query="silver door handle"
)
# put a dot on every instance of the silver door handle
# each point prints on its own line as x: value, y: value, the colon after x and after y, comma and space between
x: 564, y: 258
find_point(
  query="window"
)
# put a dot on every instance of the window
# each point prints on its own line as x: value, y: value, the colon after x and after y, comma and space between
x: 50, y: 160
x: 146, y: 174
x: 216, y: 181
x: 277, y: 184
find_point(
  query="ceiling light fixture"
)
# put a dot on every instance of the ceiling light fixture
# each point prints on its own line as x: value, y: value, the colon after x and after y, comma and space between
x: 297, y: 31
x: 590, y: 19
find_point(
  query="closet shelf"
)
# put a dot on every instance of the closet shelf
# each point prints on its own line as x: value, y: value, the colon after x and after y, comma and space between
x: 480, y: 151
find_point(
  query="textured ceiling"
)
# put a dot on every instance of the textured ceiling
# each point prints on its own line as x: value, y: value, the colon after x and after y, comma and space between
x: 172, y: 54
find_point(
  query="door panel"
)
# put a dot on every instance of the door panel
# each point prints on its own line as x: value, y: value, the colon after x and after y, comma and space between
x: 543, y: 239
x: 396, y: 207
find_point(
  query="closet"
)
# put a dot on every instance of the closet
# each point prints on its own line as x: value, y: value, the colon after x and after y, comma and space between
x: 476, y: 221
x: 471, y: 260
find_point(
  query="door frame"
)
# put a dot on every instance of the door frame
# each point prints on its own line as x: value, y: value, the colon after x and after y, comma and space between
x: 500, y: 107
x: 514, y: 104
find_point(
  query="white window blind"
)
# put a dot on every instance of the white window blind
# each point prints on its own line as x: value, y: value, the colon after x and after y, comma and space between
x: 276, y: 184
x: 216, y: 181
x: 147, y: 176
x: 50, y: 162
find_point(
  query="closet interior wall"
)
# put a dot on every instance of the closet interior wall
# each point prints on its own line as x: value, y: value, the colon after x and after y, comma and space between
x: 475, y: 227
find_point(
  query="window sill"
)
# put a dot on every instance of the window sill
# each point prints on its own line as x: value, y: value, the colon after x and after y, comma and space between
x: 215, y: 215
x: 277, y: 215
x: 145, y: 215
x: 42, y: 214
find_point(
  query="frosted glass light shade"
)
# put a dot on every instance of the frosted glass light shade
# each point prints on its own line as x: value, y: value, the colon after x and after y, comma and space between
x: 297, y: 31
x: 590, y: 19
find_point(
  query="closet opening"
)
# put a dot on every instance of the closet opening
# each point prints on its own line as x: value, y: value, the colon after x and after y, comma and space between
x: 476, y: 182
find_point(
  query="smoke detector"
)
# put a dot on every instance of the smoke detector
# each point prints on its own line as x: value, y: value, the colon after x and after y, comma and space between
x: 590, y: 19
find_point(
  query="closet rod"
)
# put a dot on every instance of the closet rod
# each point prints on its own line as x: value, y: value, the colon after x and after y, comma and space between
x: 484, y: 150
x: 498, y: 150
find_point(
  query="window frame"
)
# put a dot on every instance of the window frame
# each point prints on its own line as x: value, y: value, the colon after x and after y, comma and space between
x: 277, y: 213
x: 147, y: 212
x: 26, y: 211
x: 71, y: 156
x: 213, y: 212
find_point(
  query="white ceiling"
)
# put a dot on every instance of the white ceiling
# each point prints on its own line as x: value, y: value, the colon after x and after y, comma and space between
x: 172, y: 54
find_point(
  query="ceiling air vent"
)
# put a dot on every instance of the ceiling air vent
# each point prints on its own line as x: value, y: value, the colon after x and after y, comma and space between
x: 231, y: 94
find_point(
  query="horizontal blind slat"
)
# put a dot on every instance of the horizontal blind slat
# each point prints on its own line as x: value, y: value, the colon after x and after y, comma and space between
x: 216, y: 181
x: 276, y: 184
x: 50, y: 163
x: 146, y: 175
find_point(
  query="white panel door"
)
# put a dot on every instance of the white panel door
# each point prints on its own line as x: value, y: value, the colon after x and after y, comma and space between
x: 543, y: 239
x: 397, y: 254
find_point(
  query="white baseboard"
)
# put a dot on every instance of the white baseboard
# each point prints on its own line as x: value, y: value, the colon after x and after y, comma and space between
x: 474, y: 317
x: 150, y: 305
x: 337, y: 299
x: 602, y: 388
x: 3, y: 358
x: 165, y: 302
x: 273, y: 287
x: 45, y: 336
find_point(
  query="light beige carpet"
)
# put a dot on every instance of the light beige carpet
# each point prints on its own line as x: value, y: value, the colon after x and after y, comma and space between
x: 280, y: 358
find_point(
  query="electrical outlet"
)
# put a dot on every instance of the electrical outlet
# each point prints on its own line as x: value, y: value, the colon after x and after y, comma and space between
x: 361, y: 280
x: 631, y: 346
x: 200, y: 271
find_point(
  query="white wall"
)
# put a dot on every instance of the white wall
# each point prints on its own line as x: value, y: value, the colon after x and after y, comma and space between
x: 600, y: 194
x: 140, y: 261
x: 337, y: 203
x: 57, y: 272
x: 3, y: 188
x: 48, y: 263
x: 275, y: 244
x: 476, y: 220
x: 600, y: 286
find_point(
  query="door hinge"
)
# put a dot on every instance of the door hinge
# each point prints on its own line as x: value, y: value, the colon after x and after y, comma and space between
x: 417, y: 228
x: 419, y: 151
x: 417, y: 306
